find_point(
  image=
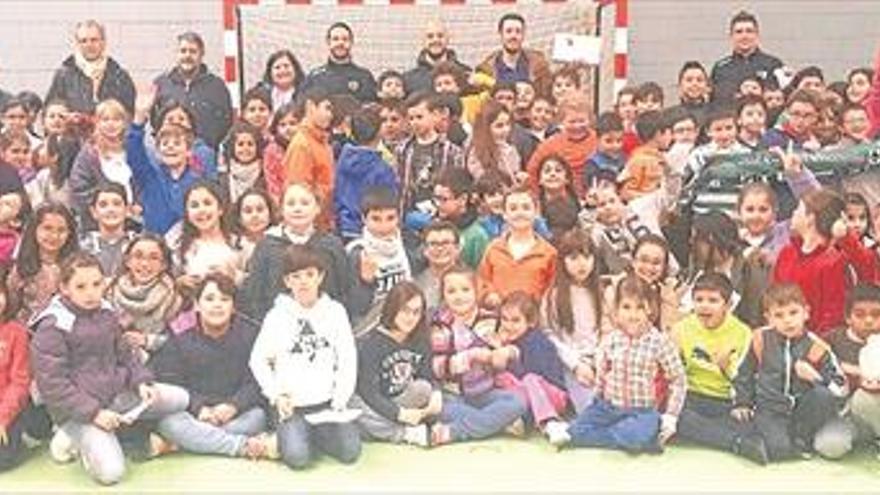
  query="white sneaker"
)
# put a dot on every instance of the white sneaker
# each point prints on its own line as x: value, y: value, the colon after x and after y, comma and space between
x: 557, y: 432
x: 61, y: 447
x: 416, y: 435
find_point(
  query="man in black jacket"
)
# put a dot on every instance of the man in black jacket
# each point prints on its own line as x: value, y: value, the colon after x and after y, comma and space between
x: 340, y: 75
x: 190, y: 83
x: 90, y: 76
x: 747, y: 59
x: 436, y: 49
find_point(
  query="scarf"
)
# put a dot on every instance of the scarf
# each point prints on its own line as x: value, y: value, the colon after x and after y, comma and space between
x: 242, y: 176
x: 94, y: 69
x: 149, y: 306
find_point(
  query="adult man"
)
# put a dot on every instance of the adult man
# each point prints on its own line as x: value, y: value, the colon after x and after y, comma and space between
x: 340, y: 75
x: 90, y: 76
x: 512, y: 63
x: 436, y: 49
x: 747, y: 59
x: 190, y: 83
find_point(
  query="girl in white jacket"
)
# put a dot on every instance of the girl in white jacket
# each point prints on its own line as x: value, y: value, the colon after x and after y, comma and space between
x: 305, y: 362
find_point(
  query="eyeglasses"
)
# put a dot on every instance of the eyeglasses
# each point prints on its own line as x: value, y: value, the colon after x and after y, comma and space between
x: 440, y: 244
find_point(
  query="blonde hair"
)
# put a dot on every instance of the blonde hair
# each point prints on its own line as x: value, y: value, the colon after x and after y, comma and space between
x: 108, y: 108
x: 575, y: 102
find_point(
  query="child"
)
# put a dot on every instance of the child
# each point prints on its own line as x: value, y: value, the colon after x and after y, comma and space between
x: 525, y: 98
x: 607, y: 162
x: 253, y: 215
x: 462, y: 362
x: 309, y: 157
x: 50, y: 183
x: 693, y: 89
x: 162, y: 182
x: 299, y: 210
x: 615, y: 231
x: 643, y: 172
x: 519, y: 259
x: 575, y: 332
x: 15, y: 213
x: 205, y: 243
x: 244, y: 166
x: 210, y: 361
x: 721, y: 128
x: 855, y: 345
x: 566, y: 80
x: 394, y: 130
x: 854, y: 125
x: 86, y: 374
x: 623, y: 415
x: 446, y: 109
x: 453, y: 195
x: 712, y: 343
x: 685, y: 129
x: 102, y: 158
x: 489, y: 148
x: 756, y: 210
x: 625, y: 107
x: 556, y: 182
x: 145, y: 294
x: 802, y: 109
x: 202, y: 157
x: 282, y: 129
x: 449, y: 77
x: 395, y: 386
x: 47, y: 241
x: 256, y: 109
x: 305, y: 361
x: 534, y: 370
x: 379, y: 255
x: 15, y: 151
x: 391, y: 85
x: 109, y: 208
x: 811, y: 261
x: 15, y: 382
x: 420, y: 159
x: 751, y: 114
x: 648, y: 98
x: 441, y: 250
x: 360, y: 167
x: 788, y: 385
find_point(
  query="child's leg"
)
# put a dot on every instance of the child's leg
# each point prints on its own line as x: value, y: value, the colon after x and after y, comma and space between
x: 294, y: 441
x: 637, y: 430
x: 189, y: 433
x: 510, y: 383
x: 579, y: 395
x: 481, y: 416
x: 170, y: 399
x: 250, y: 422
x: 866, y: 408
x: 341, y: 441
x: 835, y: 439
x: 774, y: 427
x: 545, y: 400
x: 376, y: 426
x: 706, y: 421
x: 12, y: 452
x: 36, y: 422
x: 812, y: 411
x: 592, y: 428
x: 100, y: 451
x: 416, y: 395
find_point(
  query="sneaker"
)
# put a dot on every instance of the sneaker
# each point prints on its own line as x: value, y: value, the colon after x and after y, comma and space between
x: 557, y: 432
x: 441, y: 434
x: 61, y: 447
x: 517, y: 428
x: 416, y: 435
x: 753, y: 448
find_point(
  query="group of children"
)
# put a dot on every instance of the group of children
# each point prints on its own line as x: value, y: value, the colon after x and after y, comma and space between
x: 402, y: 272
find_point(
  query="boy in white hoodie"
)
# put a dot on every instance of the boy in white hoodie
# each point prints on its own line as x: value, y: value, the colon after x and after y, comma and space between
x: 305, y: 362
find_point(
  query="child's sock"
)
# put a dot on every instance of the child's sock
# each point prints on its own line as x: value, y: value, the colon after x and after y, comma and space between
x: 416, y: 435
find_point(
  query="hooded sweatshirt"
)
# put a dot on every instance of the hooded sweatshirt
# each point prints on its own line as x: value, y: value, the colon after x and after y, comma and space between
x: 358, y: 168
x: 307, y: 353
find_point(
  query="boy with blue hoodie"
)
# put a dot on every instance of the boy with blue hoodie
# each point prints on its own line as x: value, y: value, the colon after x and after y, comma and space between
x: 360, y: 166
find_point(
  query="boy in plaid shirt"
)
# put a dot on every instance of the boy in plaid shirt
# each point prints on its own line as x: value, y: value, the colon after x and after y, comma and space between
x: 624, y: 414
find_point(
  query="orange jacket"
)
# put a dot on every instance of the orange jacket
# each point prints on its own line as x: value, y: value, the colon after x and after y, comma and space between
x: 575, y: 153
x: 309, y: 160
x: 500, y: 273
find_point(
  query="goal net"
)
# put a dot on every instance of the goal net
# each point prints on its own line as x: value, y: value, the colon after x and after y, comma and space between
x: 390, y: 36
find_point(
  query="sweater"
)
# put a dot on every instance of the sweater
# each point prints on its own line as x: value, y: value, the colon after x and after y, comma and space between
x: 358, y: 169
x: 387, y: 367
x: 213, y: 370
x: 161, y: 193
x: 306, y: 353
x: 81, y: 361
x: 575, y: 154
x: 698, y: 347
x: 265, y: 271
x: 454, y: 346
x: 766, y: 377
x: 499, y: 272
x: 537, y: 355
x: 580, y: 345
x: 15, y: 373
x: 821, y: 275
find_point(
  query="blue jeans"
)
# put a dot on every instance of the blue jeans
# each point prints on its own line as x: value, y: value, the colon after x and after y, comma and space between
x: 603, y: 424
x: 480, y: 416
x: 184, y: 430
x: 298, y: 441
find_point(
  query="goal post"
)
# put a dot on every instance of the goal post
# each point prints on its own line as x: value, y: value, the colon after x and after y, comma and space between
x: 388, y: 33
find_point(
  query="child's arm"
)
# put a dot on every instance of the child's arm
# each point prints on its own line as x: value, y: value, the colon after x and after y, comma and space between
x: 53, y: 368
x: 830, y: 312
x: 862, y: 259
x: 744, y: 380
x: 15, y: 396
x: 346, y: 359
x: 670, y: 363
x: 828, y: 372
x: 142, y: 169
x: 264, y: 354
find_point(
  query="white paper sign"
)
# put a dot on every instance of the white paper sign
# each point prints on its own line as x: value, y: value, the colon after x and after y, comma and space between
x: 569, y: 47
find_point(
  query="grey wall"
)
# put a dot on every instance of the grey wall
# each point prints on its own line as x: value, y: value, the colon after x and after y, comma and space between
x: 36, y: 35
x: 836, y: 35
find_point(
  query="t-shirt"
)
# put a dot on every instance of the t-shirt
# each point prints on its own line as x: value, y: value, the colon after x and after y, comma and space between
x: 697, y: 346
x: 423, y: 171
